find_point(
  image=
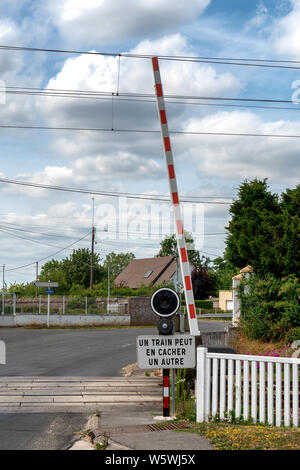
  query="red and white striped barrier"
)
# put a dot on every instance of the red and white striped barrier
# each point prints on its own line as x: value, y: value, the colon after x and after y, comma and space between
x: 166, y: 392
x: 183, y: 257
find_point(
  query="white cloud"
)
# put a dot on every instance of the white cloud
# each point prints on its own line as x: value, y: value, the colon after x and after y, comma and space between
x: 15, y: 70
x: 9, y: 34
x: 113, y: 21
x: 120, y: 165
x: 245, y: 157
x: 86, y: 173
x: 286, y: 32
x: 100, y: 73
x: 115, y: 155
x: 259, y: 19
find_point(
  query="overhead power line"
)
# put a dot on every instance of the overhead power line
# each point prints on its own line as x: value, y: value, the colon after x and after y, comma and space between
x: 132, y: 96
x: 50, y: 256
x: 106, y: 193
x: 26, y: 238
x: 148, y: 131
x: 22, y: 228
x: 108, y: 96
x: 268, y: 63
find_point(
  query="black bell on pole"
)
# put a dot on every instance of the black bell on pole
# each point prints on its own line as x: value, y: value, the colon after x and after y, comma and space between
x: 165, y: 326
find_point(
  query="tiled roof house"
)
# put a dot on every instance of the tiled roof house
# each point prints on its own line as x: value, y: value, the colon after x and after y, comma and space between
x: 149, y: 271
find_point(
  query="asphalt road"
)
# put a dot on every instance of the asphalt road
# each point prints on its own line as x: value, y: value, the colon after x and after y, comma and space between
x: 40, y: 431
x: 68, y: 352
x: 77, y: 353
x: 63, y: 353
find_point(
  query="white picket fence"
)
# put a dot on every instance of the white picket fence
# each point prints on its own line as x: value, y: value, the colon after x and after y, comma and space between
x: 265, y: 389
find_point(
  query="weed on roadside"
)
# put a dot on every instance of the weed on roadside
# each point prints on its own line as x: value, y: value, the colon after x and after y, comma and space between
x: 224, y: 436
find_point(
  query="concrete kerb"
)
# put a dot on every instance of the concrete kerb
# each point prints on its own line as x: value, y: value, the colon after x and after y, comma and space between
x: 84, y: 441
x: 142, y: 439
x: 128, y: 417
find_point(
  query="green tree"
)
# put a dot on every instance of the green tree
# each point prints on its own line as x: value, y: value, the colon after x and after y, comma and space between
x: 289, y: 242
x: 74, y: 269
x: 264, y: 229
x: 22, y: 289
x: 204, y: 282
x: 224, y: 272
x: 117, y: 262
x: 55, y: 275
x: 77, y: 267
x: 168, y: 247
x: 270, y: 309
x: 254, y: 229
x: 49, y: 267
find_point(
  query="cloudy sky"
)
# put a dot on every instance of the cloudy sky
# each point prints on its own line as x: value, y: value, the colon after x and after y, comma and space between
x: 36, y: 222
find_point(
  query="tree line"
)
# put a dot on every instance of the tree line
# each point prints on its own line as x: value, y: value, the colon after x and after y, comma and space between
x: 263, y: 231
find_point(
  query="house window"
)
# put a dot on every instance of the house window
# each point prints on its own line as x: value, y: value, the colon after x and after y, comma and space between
x: 148, y: 273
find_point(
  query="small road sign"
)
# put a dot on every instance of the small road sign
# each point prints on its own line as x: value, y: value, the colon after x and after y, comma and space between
x: 45, y: 284
x: 2, y: 353
x: 49, y: 291
x: 166, y: 351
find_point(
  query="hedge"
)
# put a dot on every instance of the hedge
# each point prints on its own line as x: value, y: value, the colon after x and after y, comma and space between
x: 208, y: 304
x: 270, y: 309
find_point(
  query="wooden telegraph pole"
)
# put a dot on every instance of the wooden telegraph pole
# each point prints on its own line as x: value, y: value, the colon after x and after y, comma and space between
x: 92, y: 260
x: 92, y: 251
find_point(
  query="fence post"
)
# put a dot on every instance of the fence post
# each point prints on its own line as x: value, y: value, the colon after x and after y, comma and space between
x: 201, y: 384
x: 63, y: 305
x: 48, y: 311
x: 14, y: 304
x: 86, y: 305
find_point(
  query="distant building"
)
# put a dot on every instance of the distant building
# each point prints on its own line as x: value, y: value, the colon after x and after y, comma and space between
x: 245, y: 272
x: 150, y: 271
x: 225, y: 300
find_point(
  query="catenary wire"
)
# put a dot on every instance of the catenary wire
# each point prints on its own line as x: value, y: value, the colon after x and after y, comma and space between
x: 56, y: 92
x: 53, y: 254
x: 137, y: 233
x: 147, y: 131
x: 269, y: 63
x: 104, y: 193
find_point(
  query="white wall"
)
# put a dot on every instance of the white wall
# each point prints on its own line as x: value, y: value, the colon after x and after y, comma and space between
x: 64, y: 320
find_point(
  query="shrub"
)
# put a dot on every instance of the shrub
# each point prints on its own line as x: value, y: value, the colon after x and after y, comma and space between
x: 269, y: 307
x: 79, y: 303
x: 292, y: 335
x: 208, y: 304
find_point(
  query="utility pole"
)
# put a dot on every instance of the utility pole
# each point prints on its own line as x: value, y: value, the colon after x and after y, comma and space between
x: 36, y: 276
x: 92, y: 260
x: 108, y: 288
x: 3, y: 290
x: 92, y: 251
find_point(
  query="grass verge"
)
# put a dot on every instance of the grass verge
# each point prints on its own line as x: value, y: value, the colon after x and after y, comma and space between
x: 227, y: 436
x: 243, y: 345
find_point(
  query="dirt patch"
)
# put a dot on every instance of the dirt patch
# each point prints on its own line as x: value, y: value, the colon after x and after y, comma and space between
x: 243, y: 345
x: 133, y: 369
